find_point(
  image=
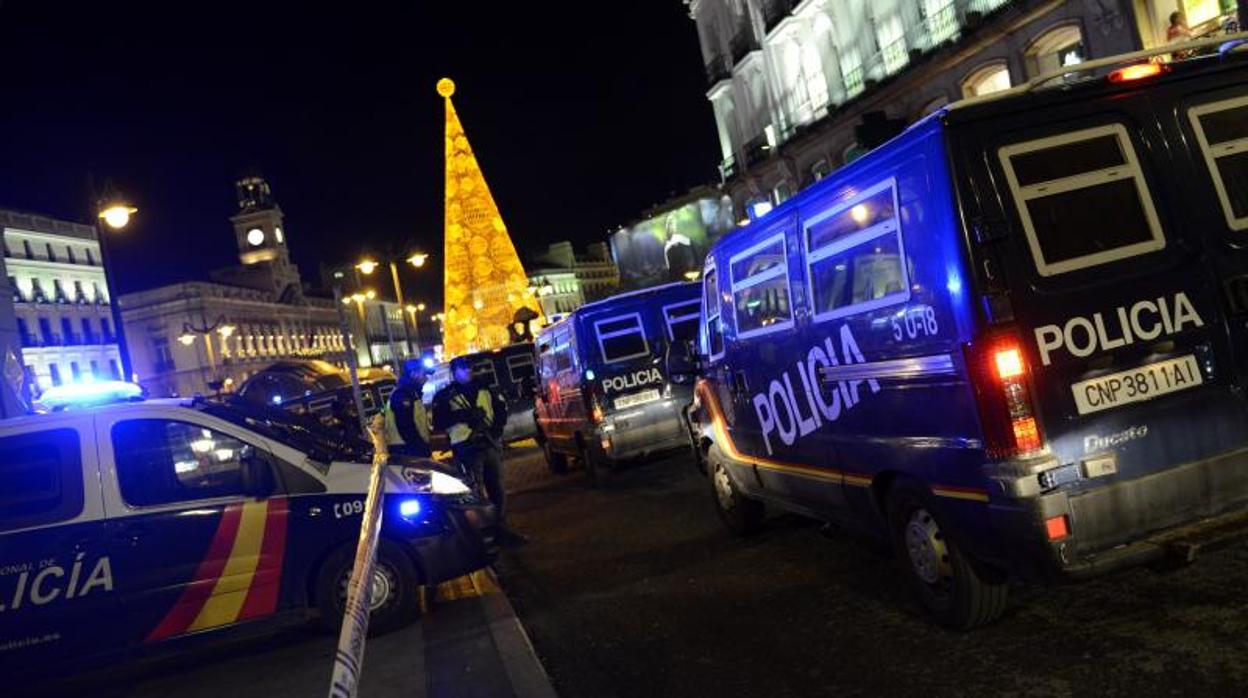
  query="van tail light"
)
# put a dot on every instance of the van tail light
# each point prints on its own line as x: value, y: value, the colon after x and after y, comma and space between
x: 595, y: 410
x: 1000, y: 375
x: 1138, y: 71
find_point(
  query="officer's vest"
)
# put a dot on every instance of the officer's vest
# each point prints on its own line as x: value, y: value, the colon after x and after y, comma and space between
x: 460, y: 432
x: 392, y: 430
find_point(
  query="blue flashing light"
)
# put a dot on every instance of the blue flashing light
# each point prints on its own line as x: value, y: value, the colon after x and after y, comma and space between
x: 428, y: 362
x: 88, y: 393
x: 277, y: 399
x: 409, y: 508
x: 589, y: 374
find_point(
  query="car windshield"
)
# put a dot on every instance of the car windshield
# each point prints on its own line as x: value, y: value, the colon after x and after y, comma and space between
x: 322, y: 444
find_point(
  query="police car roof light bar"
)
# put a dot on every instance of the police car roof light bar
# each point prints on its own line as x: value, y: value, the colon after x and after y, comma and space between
x: 59, y: 397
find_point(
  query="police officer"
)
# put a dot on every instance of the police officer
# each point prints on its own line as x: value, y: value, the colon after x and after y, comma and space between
x: 473, y: 417
x: 407, y: 422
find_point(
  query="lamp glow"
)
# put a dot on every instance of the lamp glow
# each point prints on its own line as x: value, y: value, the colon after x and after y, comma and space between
x: 860, y: 213
x: 117, y: 216
x: 367, y: 266
x: 418, y: 259
x: 409, y: 508
x: 187, y: 339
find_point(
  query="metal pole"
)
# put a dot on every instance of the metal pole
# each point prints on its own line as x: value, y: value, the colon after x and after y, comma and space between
x: 394, y: 351
x: 398, y: 295
x: 346, y: 342
x: 119, y: 329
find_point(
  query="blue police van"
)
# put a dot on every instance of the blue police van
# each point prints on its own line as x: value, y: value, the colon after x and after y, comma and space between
x: 1013, y: 339
x: 145, y: 526
x: 602, y: 395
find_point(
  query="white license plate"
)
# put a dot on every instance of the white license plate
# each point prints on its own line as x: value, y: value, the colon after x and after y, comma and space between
x: 625, y: 401
x: 1137, y: 385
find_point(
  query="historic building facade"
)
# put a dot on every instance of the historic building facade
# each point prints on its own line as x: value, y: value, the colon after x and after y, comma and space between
x: 563, y: 280
x: 201, y: 337
x: 789, y: 81
x: 60, y: 301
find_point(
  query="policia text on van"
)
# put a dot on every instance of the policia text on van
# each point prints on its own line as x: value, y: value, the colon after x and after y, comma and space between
x: 1013, y: 338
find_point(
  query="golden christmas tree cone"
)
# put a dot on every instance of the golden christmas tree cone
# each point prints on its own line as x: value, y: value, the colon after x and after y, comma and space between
x: 484, y: 283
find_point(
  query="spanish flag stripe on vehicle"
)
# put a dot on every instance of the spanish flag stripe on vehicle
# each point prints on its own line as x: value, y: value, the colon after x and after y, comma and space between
x: 262, y: 597
x: 197, y: 591
x: 230, y: 591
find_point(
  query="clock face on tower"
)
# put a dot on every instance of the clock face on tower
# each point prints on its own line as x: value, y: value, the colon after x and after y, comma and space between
x: 255, y: 237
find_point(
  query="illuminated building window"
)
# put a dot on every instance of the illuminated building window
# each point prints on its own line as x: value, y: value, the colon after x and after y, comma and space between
x: 941, y: 17
x: 55, y: 372
x: 891, y: 35
x: 58, y: 291
x: 1057, y: 48
x: 994, y: 77
x: 851, y: 72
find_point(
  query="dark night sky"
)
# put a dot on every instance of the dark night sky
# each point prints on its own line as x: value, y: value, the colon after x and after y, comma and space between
x: 581, y: 113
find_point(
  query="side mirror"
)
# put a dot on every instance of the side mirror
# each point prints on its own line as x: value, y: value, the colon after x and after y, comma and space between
x: 681, y: 362
x: 257, y: 476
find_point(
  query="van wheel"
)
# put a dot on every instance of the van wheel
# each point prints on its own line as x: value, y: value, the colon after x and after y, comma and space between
x: 953, y: 590
x: 596, y: 467
x: 739, y: 513
x: 394, y: 601
x: 557, y: 462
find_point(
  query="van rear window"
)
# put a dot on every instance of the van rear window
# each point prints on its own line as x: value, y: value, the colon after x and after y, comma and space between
x: 1062, y: 185
x: 1222, y: 130
x: 40, y: 478
x: 760, y: 288
x: 621, y: 338
x: 682, y: 320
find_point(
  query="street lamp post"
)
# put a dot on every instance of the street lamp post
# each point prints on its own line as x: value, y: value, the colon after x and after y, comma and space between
x: 350, y: 352
x: 115, y: 216
x: 368, y: 266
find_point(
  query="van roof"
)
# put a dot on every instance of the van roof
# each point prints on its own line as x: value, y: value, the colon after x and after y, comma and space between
x: 651, y: 290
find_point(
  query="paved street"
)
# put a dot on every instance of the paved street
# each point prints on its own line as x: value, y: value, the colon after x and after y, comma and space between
x: 638, y: 591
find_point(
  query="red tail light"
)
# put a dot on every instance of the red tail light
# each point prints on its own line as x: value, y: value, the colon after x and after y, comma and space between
x: 595, y: 410
x: 1000, y: 373
x: 1138, y: 71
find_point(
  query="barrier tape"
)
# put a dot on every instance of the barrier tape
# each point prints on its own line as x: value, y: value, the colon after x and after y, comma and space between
x: 349, y: 657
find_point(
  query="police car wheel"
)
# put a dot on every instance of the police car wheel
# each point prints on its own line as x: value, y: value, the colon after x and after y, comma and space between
x: 739, y: 513
x: 953, y: 590
x: 394, y: 598
x: 557, y: 462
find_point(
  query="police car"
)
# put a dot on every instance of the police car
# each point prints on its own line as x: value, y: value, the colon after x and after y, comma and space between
x: 602, y: 392
x: 1014, y: 339
x: 130, y: 525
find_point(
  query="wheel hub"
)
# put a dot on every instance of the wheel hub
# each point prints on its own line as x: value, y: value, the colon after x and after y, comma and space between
x: 379, y: 591
x: 723, y: 487
x: 925, y: 544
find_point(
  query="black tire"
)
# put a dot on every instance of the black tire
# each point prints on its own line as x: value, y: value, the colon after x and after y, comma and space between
x: 953, y: 590
x: 742, y: 515
x: 556, y: 461
x: 596, y: 466
x: 399, y: 580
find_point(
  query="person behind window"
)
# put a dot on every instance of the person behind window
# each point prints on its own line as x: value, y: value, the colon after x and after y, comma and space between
x: 1177, y: 31
x: 407, y: 422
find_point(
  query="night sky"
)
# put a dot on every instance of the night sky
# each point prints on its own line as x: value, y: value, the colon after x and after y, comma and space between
x: 582, y: 114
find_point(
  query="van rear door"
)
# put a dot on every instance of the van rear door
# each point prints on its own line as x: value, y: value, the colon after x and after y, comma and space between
x: 1082, y: 224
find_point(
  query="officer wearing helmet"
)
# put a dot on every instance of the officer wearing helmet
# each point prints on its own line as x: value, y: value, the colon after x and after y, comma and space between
x: 407, y: 422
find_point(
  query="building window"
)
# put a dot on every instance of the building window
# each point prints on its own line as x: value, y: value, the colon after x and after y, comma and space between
x: 99, y: 296
x: 90, y: 257
x: 941, y: 18
x: 95, y: 368
x: 17, y: 291
x: 51, y: 253
x: 892, y: 37
x: 69, y: 253
x: 106, y: 330
x: 820, y: 170
x: 80, y: 295
x: 45, y: 332
x: 1055, y: 49
x: 88, y: 335
x: 114, y: 369
x: 55, y: 372
x: 30, y: 253
x: 75, y: 371
x: 67, y: 331
x: 36, y: 291
x: 164, y: 358
x: 58, y: 290
x: 23, y: 331
x: 994, y: 77
x: 851, y: 72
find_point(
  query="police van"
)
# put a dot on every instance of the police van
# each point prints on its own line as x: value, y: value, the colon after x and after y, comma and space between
x: 509, y: 370
x: 602, y: 392
x: 152, y: 524
x: 1014, y: 338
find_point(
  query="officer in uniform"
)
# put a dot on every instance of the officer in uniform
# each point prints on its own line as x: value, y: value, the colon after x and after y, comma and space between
x: 407, y: 422
x: 473, y: 417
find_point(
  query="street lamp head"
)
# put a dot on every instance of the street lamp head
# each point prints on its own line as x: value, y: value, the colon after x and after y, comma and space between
x: 117, y: 215
x: 420, y: 307
x: 366, y: 266
x: 226, y: 331
x: 187, y: 339
x: 370, y: 294
x: 411, y: 308
x: 359, y: 297
x: 418, y: 259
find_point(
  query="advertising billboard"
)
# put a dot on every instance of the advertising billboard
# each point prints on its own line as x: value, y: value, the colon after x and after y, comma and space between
x: 666, y: 246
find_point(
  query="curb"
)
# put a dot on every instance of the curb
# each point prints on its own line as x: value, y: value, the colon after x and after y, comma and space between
x: 524, y: 670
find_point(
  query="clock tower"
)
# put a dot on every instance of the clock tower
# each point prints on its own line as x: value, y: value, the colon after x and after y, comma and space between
x: 261, y: 239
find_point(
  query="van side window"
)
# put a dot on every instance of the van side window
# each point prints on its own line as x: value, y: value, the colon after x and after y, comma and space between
x: 520, y: 367
x: 161, y: 461
x: 1222, y: 129
x: 854, y: 254
x: 484, y: 371
x: 621, y: 338
x: 682, y: 320
x: 760, y: 288
x: 710, y: 297
x: 1062, y: 187
x: 40, y: 478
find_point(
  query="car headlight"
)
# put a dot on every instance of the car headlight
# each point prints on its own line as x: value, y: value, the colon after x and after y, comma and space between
x: 441, y: 483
